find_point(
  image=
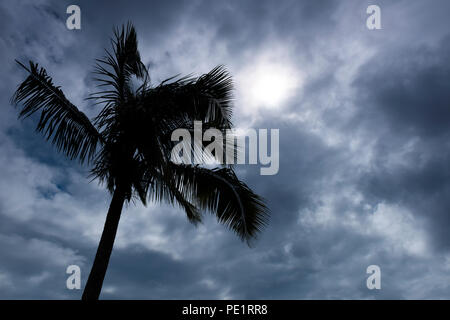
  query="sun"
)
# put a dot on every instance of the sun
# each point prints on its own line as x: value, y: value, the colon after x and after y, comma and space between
x: 268, y: 84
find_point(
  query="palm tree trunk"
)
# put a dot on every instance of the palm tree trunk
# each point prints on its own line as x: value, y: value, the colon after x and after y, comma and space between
x: 98, y: 271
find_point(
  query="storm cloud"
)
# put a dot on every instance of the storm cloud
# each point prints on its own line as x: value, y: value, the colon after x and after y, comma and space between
x: 364, y: 178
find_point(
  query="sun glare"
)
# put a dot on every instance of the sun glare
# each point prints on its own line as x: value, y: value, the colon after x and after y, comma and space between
x: 268, y: 85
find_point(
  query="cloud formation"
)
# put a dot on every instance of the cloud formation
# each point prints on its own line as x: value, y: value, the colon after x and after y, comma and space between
x: 364, y: 154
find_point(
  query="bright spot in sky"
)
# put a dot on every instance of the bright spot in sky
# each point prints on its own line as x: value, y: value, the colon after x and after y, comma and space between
x: 268, y: 84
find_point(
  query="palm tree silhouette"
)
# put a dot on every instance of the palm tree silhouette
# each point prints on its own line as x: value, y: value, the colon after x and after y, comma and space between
x: 128, y: 144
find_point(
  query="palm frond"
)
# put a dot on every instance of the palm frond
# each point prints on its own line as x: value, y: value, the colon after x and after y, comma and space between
x: 167, y: 189
x: 114, y: 74
x: 220, y: 192
x: 207, y: 98
x: 69, y: 129
x: 114, y: 71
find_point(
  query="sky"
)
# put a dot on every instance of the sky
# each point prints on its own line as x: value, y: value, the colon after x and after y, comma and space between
x: 364, y: 126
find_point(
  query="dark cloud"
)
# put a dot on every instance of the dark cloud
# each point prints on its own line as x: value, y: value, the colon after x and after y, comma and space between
x: 404, y: 98
x: 363, y: 179
x: 408, y: 89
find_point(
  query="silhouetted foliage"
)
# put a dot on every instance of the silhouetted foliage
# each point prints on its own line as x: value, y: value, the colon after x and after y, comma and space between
x: 128, y: 143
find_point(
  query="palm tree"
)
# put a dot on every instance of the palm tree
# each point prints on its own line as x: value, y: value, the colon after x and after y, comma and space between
x: 128, y: 144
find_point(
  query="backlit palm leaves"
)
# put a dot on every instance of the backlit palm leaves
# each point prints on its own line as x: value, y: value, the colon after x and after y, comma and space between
x: 128, y: 143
